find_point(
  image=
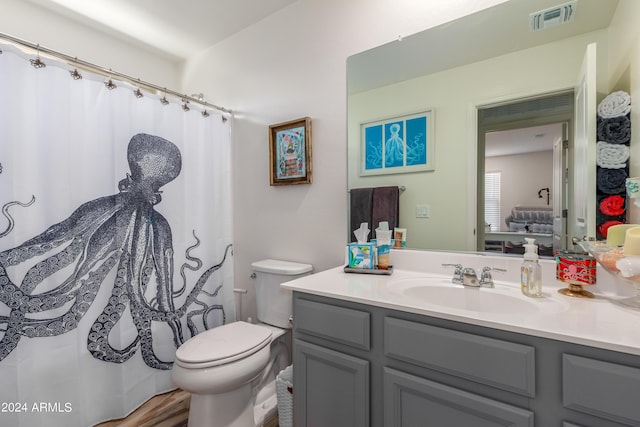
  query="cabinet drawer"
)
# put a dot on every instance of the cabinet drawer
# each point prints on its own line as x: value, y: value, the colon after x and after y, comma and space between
x: 413, y: 401
x: 338, y: 324
x: 501, y: 364
x: 604, y: 389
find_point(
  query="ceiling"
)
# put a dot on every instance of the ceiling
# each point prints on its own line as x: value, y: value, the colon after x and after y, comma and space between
x: 495, y: 31
x: 524, y: 140
x: 176, y: 29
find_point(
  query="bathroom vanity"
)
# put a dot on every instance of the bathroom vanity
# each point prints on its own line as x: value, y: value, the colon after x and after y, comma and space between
x: 379, y: 351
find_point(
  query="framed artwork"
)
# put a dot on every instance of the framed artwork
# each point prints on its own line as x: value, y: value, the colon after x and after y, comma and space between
x: 397, y: 145
x: 290, y: 152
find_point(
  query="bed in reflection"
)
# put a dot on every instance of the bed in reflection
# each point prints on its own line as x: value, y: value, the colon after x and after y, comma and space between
x: 524, y: 222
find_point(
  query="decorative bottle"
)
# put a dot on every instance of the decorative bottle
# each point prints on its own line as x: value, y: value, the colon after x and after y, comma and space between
x: 531, y: 271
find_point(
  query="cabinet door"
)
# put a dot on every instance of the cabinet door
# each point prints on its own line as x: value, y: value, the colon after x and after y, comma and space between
x: 411, y: 401
x: 600, y: 388
x: 329, y: 388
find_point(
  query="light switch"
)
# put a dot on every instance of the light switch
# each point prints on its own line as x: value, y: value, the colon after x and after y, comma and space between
x: 423, y: 211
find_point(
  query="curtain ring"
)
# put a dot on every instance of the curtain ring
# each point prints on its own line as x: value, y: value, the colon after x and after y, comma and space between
x: 164, y: 100
x: 37, y: 63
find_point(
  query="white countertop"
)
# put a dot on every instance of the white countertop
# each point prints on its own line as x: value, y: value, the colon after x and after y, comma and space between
x: 597, y: 322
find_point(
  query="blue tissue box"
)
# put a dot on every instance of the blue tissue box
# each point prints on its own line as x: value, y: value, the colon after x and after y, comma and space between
x: 361, y: 255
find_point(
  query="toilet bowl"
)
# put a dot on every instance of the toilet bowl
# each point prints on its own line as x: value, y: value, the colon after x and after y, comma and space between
x: 223, y: 368
x: 217, y: 368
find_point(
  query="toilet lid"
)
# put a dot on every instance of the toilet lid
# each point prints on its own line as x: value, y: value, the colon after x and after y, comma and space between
x: 223, y: 344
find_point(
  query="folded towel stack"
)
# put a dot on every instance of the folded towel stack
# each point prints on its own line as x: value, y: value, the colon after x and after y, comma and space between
x: 612, y: 159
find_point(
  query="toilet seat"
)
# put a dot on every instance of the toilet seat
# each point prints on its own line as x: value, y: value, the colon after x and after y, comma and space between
x: 221, y: 345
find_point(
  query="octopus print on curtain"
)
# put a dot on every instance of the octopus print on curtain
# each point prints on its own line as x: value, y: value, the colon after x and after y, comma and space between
x: 115, y: 241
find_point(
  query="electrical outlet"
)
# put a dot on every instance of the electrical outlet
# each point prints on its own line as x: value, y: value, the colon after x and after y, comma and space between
x: 423, y: 211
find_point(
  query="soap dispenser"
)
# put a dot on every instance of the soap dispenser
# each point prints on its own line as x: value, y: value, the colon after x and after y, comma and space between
x: 531, y: 271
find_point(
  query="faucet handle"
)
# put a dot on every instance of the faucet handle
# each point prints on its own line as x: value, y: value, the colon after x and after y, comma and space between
x: 458, y: 267
x: 457, y: 273
x: 485, y: 277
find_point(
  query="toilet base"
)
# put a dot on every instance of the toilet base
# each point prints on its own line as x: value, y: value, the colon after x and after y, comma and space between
x: 266, y: 404
x: 231, y: 409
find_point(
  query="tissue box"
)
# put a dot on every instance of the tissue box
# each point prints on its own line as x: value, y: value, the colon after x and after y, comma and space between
x: 361, y: 255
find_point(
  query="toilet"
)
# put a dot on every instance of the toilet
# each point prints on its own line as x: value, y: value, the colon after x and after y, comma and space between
x: 224, y: 368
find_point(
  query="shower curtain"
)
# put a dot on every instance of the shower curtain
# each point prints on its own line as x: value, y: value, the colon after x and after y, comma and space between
x: 115, y: 240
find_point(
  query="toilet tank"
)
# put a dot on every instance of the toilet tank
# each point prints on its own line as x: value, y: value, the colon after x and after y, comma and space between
x: 274, y: 304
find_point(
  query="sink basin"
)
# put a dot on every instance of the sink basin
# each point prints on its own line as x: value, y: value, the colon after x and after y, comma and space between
x: 502, y: 299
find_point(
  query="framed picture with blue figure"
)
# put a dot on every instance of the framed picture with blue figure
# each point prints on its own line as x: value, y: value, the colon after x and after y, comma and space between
x: 290, y: 152
x: 398, y: 145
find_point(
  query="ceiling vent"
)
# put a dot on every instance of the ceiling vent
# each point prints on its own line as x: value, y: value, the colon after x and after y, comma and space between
x: 553, y: 16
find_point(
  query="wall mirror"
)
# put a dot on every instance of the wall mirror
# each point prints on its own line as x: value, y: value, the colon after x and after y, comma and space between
x: 502, y: 98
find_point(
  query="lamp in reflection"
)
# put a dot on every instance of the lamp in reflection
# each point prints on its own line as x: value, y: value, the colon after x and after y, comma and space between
x: 542, y: 190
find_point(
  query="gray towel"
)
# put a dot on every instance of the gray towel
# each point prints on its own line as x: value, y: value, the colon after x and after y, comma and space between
x: 611, y: 181
x: 616, y: 130
x: 386, y: 206
x: 360, y: 209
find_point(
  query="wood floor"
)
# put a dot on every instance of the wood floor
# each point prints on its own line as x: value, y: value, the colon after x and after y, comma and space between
x: 165, y: 410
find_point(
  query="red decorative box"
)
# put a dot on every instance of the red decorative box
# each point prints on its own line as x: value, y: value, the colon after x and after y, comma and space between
x: 575, y: 269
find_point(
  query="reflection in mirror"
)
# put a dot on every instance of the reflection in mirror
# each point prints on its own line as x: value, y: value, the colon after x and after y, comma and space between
x: 456, y: 70
x: 524, y: 146
x: 512, y: 205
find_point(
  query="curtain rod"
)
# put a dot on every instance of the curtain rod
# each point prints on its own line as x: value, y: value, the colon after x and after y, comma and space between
x: 108, y: 72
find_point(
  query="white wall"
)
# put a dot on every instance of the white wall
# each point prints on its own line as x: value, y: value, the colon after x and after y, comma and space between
x: 515, y: 191
x: 290, y: 65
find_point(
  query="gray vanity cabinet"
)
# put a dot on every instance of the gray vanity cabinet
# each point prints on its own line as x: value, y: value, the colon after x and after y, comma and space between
x: 333, y: 386
x: 360, y: 365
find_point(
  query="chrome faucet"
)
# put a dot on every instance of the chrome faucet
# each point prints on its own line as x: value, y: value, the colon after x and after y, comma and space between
x: 470, y: 278
x: 485, y: 278
x: 467, y: 276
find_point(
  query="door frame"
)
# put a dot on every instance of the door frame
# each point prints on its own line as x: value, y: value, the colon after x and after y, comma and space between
x: 537, y: 118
